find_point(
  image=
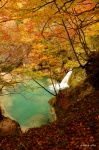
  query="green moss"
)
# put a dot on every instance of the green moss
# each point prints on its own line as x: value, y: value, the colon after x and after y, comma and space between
x: 28, y: 72
x: 78, y: 76
x: 71, y: 64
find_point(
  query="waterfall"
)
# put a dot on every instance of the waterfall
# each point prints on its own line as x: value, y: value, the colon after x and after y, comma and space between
x: 66, y: 78
x: 63, y: 84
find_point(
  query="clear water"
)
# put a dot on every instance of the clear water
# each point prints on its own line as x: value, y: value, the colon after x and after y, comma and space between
x: 28, y: 103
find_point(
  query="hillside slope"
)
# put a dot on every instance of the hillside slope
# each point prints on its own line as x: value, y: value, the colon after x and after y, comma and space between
x: 76, y: 128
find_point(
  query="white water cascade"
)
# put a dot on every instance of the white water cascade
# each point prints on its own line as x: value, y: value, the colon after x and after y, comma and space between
x: 63, y: 84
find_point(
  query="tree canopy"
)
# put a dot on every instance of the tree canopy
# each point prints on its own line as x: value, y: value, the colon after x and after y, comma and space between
x: 64, y: 29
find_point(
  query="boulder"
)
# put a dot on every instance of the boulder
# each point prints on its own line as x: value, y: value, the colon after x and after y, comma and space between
x: 9, y: 127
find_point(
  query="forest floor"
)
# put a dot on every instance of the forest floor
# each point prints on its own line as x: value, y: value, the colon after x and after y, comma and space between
x: 77, y: 126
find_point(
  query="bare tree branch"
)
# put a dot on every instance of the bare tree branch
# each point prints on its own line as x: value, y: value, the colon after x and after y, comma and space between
x: 71, y: 42
x: 3, y: 4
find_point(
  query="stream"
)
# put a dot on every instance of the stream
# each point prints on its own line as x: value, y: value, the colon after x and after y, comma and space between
x: 27, y: 103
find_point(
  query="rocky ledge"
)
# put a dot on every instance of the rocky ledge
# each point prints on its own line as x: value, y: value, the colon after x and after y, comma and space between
x: 9, y: 127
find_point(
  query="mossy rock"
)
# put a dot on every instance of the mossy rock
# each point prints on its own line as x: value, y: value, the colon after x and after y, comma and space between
x: 78, y: 76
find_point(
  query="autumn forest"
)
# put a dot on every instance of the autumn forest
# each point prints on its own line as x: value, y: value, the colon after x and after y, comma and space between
x: 46, y: 38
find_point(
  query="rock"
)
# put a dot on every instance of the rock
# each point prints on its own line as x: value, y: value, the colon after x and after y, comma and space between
x: 1, y: 116
x: 36, y: 68
x: 92, y: 70
x: 7, y: 77
x: 9, y: 127
x: 52, y: 101
x: 37, y: 120
x: 53, y: 113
